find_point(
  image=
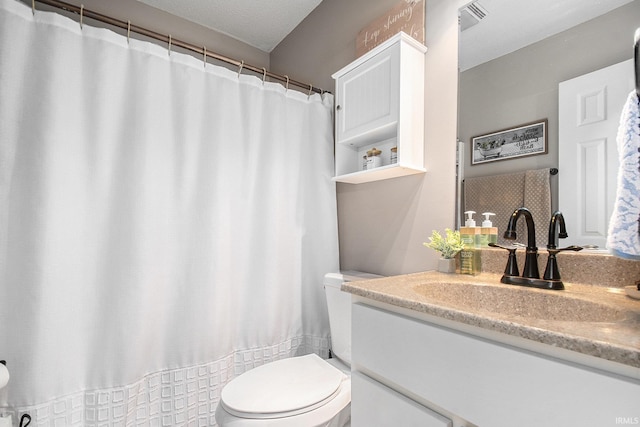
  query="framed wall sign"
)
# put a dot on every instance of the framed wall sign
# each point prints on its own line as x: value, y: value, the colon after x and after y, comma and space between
x: 525, y: 140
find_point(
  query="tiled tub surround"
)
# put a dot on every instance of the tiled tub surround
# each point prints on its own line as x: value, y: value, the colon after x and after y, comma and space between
x: 598, y: 326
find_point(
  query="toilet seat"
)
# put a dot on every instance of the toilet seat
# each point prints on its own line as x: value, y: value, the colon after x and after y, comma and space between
x: 283, y: 388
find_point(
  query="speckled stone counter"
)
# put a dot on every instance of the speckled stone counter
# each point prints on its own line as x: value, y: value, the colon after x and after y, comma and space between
x: 593, y: 320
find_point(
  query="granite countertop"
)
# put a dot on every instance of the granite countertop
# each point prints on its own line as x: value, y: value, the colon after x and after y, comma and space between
x: 593, y: 320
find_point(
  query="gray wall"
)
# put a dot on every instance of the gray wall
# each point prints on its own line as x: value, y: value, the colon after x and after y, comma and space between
x: 523, y: 86
x: 326, y: 40
x: 383, y: 224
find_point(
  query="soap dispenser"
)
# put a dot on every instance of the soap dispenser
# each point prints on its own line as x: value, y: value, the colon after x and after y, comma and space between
x: 488, y: 233
x: 470, y: 255
x: 470, y: 234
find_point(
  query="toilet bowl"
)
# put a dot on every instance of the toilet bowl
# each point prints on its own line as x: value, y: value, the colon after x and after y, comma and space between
x: 304, y: 391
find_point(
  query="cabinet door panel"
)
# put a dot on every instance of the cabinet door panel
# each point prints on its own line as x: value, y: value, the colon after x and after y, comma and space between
x: 384, y: 407
x: 368, y: 99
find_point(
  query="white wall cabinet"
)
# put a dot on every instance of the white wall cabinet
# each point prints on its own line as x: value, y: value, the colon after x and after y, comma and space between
x: 478, y: 382
x: 379, y: 103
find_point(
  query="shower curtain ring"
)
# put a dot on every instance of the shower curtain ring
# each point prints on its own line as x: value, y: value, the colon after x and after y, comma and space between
x: 240, y: 68
x: 264, y: 75
x: 81, y: 14
x: 169, y: 45
x: 128, y: 31
x: 204, y: 56
x: 287, y: 85
x: 33, y: 6
x: 310, y: 90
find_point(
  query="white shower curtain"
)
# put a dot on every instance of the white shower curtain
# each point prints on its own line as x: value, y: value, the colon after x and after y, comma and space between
x: 164, y: 225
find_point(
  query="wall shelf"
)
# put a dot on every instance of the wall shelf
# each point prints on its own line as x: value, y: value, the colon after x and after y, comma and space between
x: 380, y: 103
x: 377, y: 174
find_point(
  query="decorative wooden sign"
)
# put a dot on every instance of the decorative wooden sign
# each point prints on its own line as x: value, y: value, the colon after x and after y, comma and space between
x: 407, y: 16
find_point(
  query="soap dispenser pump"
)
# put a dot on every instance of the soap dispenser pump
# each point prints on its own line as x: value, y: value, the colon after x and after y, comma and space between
x: 487, y: 220
x: 469, y: 222
x: 470, y: 234
x: 488, y: 233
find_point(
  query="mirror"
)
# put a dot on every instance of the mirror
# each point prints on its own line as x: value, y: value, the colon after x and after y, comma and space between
x: 510, y: 70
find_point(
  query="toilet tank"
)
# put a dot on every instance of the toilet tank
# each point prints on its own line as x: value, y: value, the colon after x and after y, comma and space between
x: 339, y: 306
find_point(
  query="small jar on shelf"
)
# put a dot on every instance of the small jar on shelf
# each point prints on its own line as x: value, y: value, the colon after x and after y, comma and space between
x: 373, y: 158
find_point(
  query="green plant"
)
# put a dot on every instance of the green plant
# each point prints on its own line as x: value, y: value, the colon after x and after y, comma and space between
x: 448, y: 246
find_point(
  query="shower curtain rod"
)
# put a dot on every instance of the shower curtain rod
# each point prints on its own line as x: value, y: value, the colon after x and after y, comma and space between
x: 202, y: 50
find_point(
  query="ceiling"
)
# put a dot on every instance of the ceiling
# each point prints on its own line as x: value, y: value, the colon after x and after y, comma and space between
x: 259, y: 23
x: 508, y: 26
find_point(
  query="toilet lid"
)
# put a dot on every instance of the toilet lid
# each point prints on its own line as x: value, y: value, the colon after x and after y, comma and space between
x: 282, y: 388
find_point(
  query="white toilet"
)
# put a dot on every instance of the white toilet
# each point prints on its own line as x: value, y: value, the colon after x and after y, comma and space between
x: 304, y: 391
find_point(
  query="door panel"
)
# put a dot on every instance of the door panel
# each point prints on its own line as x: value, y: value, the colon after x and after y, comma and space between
x: 589, y: 113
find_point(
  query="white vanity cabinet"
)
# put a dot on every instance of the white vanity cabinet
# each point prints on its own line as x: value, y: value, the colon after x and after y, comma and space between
x: 384, y: 407
x: 379, y: 102
x: 475, y: 381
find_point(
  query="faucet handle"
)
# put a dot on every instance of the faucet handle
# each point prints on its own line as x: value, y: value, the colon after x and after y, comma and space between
x: 568, y: 248
x: 506, y: 248
x: 512, y: 263
x: 552, y: 272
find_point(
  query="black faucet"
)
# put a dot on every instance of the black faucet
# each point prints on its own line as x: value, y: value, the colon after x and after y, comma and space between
x: 531, y: 258
x: 531, y: 275
x: 551, y: 273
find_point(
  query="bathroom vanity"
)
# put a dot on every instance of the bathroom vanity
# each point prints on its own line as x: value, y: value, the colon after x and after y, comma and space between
x: 433, y: 349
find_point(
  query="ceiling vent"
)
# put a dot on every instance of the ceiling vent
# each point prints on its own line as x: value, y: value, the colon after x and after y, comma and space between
x: 471, y: 14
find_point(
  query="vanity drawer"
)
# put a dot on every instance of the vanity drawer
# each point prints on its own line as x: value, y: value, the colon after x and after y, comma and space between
x: 385, y: 407
x: 475, y: 379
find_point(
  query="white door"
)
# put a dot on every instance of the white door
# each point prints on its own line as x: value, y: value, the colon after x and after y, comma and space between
x: 589, y: 114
